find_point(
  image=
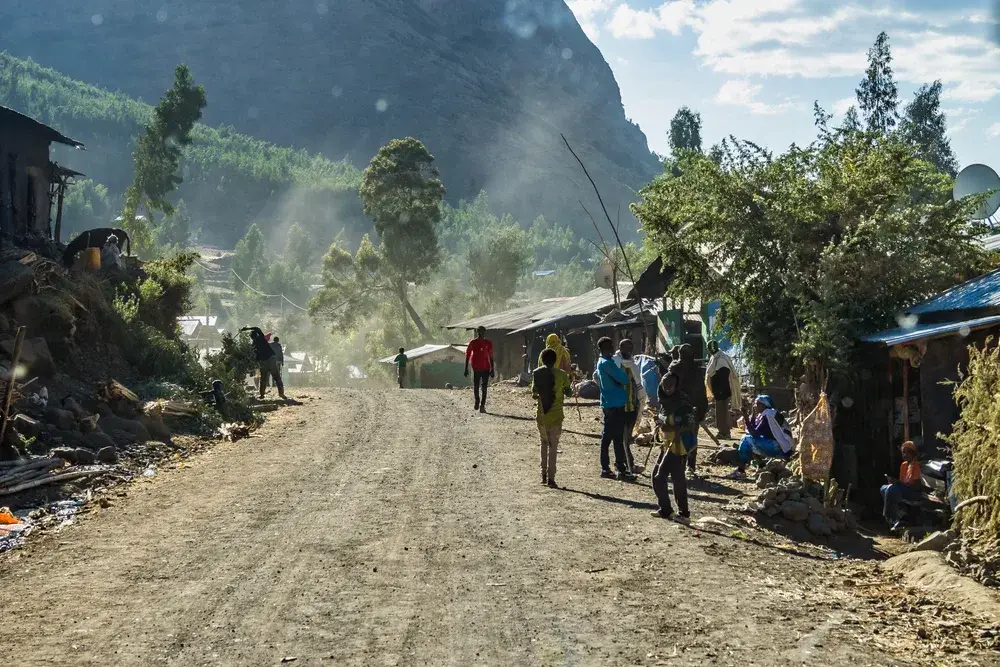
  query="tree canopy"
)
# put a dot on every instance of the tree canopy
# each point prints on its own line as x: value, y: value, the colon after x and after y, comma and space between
x: 685, y: 131
x: 159, y: 150
x: 878, y: 96
x: 496, y: 263
x: 812, y: 248
x: 925, y: 127
x: 402, y: 192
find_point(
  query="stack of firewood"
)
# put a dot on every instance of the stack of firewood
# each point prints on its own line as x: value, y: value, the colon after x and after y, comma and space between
x: 21, y: 475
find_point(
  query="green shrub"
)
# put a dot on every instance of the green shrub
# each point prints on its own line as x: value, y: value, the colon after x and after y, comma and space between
x: 975, y: 440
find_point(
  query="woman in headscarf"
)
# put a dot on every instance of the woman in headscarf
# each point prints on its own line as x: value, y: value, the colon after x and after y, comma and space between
x: 679, y: 432
x: 768, y: 435
x: 907, y: 486
x: 552, y: 342
x: 722, y: 385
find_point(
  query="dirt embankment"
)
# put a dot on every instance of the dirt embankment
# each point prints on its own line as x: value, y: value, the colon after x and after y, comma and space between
x: 399, y: 527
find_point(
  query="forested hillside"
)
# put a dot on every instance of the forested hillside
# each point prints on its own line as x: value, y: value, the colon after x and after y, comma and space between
x: 230, y: 179
x: 486, y: 85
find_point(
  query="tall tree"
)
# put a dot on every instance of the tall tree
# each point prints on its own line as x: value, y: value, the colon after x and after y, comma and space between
x: 877, y: 93
x: 175, y: 229
x: 852, y: 123
x: 401, y: 190
x: 496, y: 262
x: 925, y: 127
x: 300, y: 249
x: 158, y: 154
x: 249, y: 259
x: 685, y: 131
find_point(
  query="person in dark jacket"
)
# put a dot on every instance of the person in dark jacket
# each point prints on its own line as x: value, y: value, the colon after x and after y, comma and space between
x: 692, y: 385
x: 266, y: 360
x: 679, y: 437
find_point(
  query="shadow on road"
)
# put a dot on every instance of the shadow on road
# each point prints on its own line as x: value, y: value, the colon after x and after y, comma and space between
x: 636, y: 504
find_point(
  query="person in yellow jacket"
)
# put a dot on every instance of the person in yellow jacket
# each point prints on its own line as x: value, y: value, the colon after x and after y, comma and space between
x: 563, y: 363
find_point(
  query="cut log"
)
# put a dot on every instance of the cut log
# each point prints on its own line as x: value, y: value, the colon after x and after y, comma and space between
x: 50, y: 479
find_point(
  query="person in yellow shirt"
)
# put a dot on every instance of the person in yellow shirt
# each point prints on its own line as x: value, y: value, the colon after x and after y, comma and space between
x: 563, y: 362
x: 548, y: 386
x: 908, y: 486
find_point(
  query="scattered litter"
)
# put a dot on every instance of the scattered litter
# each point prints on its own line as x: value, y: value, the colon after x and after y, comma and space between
x: 149, y: 472
x: 6, y: 517
x: 596, y: 570
x: 288, y: 658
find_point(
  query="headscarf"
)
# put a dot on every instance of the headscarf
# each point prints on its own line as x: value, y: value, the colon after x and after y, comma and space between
x: 267, y: 336
x: 670, y: 404
x: 552, y: 342
x: 779, y: 428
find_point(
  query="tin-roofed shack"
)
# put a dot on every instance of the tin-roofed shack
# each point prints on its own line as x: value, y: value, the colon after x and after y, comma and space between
x: 433, y: 366
x: 508, y: 353
x: 30, y: 183
x: 902, y: 392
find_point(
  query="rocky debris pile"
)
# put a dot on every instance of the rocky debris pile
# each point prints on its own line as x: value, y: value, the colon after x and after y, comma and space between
x: 784, y: 494
x: 975, y: 559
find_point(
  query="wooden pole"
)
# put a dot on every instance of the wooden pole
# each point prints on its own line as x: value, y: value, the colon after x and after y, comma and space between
x: 906, y: 400
x: 16, y: 357
x: 59, y: 209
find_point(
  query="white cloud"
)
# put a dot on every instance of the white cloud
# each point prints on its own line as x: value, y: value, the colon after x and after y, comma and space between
x: 671, y: 17
x: 840, y: 107
x: 744, y: 94
x: 816, y: 39
x: 958, y: 117
x: 584, y: 9
x: 994, y: 130
x: 591, y: 30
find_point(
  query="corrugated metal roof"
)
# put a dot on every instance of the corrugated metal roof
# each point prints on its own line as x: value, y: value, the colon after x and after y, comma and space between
x: 902, y: 335
x: 991, y: 242
x: 590, y: 303
x: 981, y: 292
x: 423, y: 351
x: 8, y: 115
x: 509, y: 320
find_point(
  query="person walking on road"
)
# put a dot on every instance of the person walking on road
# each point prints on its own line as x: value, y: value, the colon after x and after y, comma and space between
x: 266, y: 361
x: 548, y: 387
x: 614, y: 395
x: 479, y: 354
x: 400, y: 362
x: 722, y: 384
x: 679, y: 430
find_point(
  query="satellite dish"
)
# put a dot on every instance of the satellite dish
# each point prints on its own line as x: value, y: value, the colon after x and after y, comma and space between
x: 977, y: 179
x: 604, y: 276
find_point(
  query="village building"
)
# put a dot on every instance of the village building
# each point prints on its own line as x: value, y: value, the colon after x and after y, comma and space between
x: 904, y: 391
x: 200, y: 331
x: 31, y: 184
x: 433, y: 366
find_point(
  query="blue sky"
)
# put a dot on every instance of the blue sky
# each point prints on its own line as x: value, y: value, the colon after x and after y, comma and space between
x: 754, y: 67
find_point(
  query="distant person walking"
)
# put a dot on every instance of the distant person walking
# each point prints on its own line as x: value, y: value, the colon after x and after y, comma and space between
x: 614, y: 396
x: 723, y: 386
x: 479, y: 354
x: 548, y: 387
x: 266, y: 361
x: 400, y: 362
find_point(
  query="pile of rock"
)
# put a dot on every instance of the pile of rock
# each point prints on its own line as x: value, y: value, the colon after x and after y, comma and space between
x: 974, y: 558
x: 798, y: 501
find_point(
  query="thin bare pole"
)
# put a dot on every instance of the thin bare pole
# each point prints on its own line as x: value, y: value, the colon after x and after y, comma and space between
x: 604, y: 208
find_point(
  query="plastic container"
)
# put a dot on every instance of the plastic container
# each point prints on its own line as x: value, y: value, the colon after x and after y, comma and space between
x: 92, y: 259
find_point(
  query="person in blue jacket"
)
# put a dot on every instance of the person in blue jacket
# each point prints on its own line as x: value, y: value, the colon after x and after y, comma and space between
x: 614, y: 395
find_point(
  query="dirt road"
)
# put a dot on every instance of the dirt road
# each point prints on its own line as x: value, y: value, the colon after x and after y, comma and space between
x: 401, y: 528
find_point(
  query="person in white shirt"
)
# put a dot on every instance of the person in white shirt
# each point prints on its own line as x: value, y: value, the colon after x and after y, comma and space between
x: 636, y: 395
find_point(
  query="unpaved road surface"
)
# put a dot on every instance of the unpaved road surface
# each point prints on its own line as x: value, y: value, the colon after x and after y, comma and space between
x: 400, y: 528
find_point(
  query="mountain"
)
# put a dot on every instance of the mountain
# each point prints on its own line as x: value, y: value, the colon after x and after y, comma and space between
x: 487, y: 85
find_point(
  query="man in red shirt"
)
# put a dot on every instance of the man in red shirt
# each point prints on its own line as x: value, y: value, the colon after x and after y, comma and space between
x: 479, y: 354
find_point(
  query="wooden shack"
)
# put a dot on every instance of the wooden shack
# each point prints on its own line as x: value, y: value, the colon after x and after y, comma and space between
x: 32, y: 187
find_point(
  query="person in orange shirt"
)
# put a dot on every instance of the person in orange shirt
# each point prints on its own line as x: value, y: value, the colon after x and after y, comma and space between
x: 907, y: 486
